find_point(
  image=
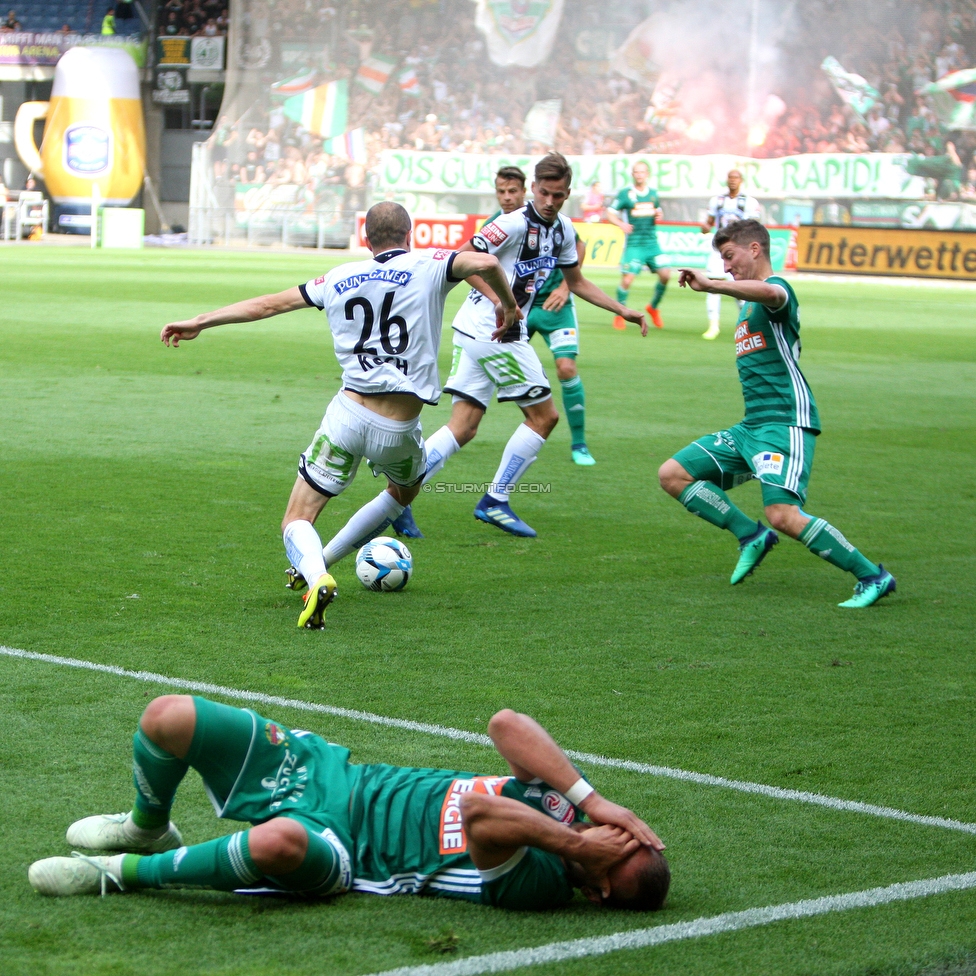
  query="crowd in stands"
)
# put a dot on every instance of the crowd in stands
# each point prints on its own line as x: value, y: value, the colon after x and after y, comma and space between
x: 462, y: 102
x: 193, y: 18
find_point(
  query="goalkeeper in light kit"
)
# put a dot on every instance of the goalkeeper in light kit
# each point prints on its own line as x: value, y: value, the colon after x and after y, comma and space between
x: 775, y: 441
x: 323, y: 826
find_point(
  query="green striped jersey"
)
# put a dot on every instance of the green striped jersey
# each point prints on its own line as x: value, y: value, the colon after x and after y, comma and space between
x: 408, y: 836
x: 767, y: 350
x: 640, y: 211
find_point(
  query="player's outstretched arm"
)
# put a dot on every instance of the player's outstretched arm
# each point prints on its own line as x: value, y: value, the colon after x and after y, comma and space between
x: 497, y: 826
x: 531, y: 752
x: 585, y: 289
x: 772, y: 296
x: 250, y: 310
x: 487, y: 267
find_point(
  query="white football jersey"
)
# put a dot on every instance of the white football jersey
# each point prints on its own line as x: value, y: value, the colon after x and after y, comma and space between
x: 728, y: 209
x: 528, y: 249
x: 386, y: 316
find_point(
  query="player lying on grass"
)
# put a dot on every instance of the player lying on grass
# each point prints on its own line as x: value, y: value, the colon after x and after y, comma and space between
x: 775, y: 441
x: 385, y: 316
x: 531, y: 243
x: 324, y: 826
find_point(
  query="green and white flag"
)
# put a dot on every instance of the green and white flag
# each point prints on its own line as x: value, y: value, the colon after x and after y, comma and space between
x: 324, y: 110
x: 634, y: 59
x: 852, y: 88
x: 954, y: 99
x: 518, y: 32
x: 374, y: 73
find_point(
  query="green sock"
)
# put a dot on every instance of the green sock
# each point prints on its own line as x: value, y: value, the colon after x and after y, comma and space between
x: 224, y: 864
x: 157, y: 774
x: 574, y: 403
x: 828, y: 543
x: 319, y: 874
x: 622, y: 294
x: 658, y: 293
x: 708, y: 501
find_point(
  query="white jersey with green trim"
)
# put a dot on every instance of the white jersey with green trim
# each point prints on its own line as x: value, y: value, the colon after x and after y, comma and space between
x: 386, y: 316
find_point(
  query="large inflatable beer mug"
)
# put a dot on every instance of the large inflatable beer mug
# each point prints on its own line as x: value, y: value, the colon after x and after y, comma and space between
x: 93, y: 132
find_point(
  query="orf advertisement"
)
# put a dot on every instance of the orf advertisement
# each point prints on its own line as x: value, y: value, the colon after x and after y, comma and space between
x: 873, y: 251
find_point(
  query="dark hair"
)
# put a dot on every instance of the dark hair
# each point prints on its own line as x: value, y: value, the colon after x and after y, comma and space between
x: 553, y: 166
x: 653, y: 878
x: 387, y: 225
x: 743, y: 232
x: 511, y: 173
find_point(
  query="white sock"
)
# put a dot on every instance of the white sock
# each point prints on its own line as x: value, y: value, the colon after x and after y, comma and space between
x: 713, y: 306
x: 521, y: 450
x: 440, y: 446
x: 366, y: 524
x: 304, y: 548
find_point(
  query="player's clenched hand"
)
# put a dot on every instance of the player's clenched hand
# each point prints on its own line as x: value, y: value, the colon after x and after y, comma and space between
x: 505, y: 318
x: 627, y: 228
x: 176, y: 332
x: 602, y: 811
x: 693, y: 279
x: 630, y: 315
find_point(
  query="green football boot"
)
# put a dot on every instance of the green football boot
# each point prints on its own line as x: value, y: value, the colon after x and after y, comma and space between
x: 752, y: 552
x: 869, y: 591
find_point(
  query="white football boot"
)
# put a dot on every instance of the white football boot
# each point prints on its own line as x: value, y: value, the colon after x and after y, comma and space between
x: 117, y: 832
x: 76, y: 875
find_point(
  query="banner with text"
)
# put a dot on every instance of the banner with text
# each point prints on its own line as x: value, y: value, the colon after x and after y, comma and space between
x: 872, y: 251
x: 24, y: 47
x: 812, y: 176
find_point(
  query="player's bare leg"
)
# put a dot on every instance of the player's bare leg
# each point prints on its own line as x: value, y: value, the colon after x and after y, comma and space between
x: 626, y: 280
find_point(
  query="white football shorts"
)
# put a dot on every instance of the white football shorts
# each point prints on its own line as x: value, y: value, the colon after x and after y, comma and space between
x: 348, y: 433
x: 510, y: 370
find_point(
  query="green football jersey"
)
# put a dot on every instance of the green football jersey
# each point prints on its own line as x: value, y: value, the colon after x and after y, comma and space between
x: 767, y: 350
x: 409, y: 838
x: 640, y: 211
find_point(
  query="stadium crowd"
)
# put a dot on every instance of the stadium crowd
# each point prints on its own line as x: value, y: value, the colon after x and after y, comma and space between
x: 455, y: 99
x: 193, y: 18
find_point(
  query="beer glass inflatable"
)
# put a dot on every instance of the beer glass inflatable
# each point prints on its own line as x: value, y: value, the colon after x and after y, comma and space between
x: 93, y: 134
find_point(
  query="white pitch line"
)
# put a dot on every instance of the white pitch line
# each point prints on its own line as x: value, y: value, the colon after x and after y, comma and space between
x: 499, y: 962
x: 477, y: 738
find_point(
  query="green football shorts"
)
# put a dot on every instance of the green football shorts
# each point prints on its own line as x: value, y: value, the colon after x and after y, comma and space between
x: 778, y: 455
x: 637, y: 256
x: 559, y: 330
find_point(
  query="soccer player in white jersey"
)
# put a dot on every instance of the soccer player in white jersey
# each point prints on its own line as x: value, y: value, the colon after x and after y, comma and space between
x: 530, y: 243
x: 385, y: 316
x: 723, y: 211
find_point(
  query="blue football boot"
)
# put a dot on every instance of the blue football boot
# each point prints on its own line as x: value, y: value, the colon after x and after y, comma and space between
x: 498, y: 513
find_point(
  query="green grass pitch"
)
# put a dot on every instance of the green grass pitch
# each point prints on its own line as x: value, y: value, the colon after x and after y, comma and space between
x: 141, y: 490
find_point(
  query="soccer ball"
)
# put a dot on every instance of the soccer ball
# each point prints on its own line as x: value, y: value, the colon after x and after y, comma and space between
x: 384, y: 564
